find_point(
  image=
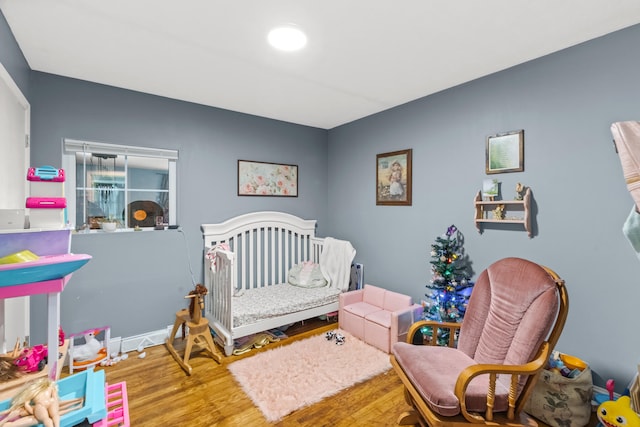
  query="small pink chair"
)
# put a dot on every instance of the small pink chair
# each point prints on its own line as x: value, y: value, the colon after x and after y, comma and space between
x: 377, y: 316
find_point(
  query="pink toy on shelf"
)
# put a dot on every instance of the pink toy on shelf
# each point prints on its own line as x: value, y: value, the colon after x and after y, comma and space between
x: 117, y: 406
x: 46, y: 202
x: 45, y: 173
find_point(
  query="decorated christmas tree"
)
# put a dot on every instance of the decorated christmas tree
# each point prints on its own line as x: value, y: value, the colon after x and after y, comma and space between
x: 450, y: 285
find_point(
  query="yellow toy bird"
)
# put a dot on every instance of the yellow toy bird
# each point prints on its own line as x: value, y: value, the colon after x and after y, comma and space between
x: 618, y: 413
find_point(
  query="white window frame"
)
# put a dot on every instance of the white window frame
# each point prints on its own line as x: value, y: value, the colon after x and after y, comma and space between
x: 72, y: 146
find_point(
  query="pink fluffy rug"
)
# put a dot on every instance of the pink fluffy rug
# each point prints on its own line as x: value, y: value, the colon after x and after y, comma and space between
x: 287, y: 378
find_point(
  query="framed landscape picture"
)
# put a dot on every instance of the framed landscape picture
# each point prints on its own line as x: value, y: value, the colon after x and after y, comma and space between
x: 505, y: 152
x: 393, y: 178
x: 267, y: 179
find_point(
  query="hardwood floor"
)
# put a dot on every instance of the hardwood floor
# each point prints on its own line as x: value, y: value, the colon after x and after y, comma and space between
x: 161, y: 394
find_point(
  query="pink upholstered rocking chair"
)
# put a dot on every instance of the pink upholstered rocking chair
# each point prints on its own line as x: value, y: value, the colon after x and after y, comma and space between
x: 514, y: 318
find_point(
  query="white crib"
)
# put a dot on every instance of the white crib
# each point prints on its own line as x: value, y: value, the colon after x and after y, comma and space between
x: 248, y: 290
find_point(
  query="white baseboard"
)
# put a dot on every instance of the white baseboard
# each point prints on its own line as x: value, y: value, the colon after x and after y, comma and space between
x: 114, y: 345
x: 142, y: 341
x: 147, y: 339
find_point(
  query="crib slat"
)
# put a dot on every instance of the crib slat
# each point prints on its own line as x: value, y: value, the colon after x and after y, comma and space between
x: 256, y: 275
x: 241, y: 261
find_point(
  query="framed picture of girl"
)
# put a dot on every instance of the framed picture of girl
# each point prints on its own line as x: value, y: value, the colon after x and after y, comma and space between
x: 393, y: 178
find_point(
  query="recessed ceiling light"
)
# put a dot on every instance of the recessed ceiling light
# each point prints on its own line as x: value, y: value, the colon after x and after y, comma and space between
x: 287, y: 38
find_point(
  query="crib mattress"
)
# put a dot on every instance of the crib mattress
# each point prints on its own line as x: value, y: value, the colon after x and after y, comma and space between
x: 272, y: 301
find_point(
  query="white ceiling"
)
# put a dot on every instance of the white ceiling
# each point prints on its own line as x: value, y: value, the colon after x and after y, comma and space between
x: 362, y: 57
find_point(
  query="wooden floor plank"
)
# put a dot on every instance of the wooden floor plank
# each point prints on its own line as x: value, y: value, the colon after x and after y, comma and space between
x: 161, y: 394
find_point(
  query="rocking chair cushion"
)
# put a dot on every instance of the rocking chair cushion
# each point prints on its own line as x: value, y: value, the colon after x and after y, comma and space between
x: 434, y: 371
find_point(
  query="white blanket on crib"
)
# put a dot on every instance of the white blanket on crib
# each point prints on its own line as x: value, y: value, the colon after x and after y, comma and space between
x: 335, y: 262
x: 276, y: 300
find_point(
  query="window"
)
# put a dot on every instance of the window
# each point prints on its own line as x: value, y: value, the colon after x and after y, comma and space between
x: 133, y: 186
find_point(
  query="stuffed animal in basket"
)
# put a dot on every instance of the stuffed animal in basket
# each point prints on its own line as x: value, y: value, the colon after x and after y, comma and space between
x: 90, y: 349
x: 618, y: 413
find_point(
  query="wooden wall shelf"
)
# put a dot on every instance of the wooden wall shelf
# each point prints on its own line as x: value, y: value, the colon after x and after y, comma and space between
x: 484, y: 211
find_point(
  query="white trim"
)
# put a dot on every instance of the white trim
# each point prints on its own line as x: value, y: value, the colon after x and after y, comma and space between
x: 142, y: 341
x: 75, y: 146
x: 15, y: 312
x: 72, y: 146
x: 173, y: 193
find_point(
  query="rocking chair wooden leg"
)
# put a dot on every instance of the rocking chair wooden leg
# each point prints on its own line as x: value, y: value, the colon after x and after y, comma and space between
x: 409, y: 418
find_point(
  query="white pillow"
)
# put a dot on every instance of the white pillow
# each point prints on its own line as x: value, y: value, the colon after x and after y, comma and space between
x: 306, y: 275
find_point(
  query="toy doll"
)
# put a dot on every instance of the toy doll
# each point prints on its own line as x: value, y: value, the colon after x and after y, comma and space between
x: 36, y: 403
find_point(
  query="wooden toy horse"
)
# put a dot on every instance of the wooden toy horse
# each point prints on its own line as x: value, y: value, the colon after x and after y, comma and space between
x: 198, y: 326
x: 191, y: 313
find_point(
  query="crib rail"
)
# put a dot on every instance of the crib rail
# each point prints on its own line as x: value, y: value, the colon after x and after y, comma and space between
x: 266, y: 245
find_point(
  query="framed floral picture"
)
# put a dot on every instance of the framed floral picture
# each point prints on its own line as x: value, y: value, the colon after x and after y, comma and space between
x: 267, y: 179
x: 393, y: 178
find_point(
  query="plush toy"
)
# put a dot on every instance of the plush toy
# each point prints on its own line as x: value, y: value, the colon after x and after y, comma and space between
x: 89, y: 350
x: 331, y: 335
x: 618, y: 413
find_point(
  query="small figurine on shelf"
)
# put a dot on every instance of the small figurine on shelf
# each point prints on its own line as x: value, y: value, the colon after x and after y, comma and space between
x: 36, y: 403
x: 520, y: 191
x: 498, y: 212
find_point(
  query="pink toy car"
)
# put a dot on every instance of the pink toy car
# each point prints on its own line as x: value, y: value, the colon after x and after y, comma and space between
x: 32, y: 359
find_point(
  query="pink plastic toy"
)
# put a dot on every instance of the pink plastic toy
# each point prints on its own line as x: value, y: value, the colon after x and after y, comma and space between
x: 117, y: 406
x: 610, y: 387
x: 32, y: 359
x: 45, y: 173
x: 46, y: 202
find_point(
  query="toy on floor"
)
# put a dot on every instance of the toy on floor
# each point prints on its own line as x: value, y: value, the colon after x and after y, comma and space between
x: 255, y: 341
x: 89, y: 350
x: 618, y: 413
x: 92, y: 352
x: 196, y: 294
x: 199, y: 332
x: 36, y: 403
x: 340, y: 339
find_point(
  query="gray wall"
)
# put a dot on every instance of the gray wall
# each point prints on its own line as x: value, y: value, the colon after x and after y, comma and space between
x: 566, y: 103
x: 136, y: 281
